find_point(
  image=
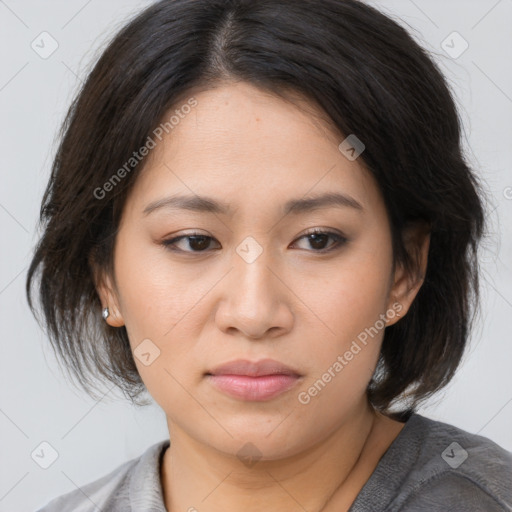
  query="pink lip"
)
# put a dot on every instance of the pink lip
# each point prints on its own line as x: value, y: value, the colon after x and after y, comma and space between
x: 255, y: 381
x: 253, y: 369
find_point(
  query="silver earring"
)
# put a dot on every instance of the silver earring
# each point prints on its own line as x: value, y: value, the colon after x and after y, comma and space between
x: 105, y: 313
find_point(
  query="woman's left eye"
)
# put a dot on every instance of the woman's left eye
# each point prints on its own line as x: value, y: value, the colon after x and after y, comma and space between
x: 199, y: 243
x: 318, y: 238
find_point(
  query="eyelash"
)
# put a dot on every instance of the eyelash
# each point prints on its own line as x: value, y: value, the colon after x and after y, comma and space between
x: 339, y: 241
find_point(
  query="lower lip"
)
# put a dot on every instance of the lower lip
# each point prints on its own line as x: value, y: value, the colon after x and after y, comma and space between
x: 255, y: 389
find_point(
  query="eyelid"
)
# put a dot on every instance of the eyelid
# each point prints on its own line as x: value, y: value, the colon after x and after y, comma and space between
x: 169, y: 243
x: 323, y: 231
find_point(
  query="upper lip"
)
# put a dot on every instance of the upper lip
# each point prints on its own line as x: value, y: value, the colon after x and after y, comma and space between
x: 253, y: 368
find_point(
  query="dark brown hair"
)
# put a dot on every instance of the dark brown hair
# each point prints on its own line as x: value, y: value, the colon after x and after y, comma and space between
x: 370, y: 78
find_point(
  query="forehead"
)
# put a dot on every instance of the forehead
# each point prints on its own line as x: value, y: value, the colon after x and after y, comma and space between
x: 244, y: 146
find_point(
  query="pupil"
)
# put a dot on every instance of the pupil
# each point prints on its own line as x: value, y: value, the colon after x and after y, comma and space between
x: 316, y: 238
x: 198, y: 246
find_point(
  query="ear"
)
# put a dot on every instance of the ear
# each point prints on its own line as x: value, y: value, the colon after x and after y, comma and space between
x: 107, y: 294
x: 406, y: 284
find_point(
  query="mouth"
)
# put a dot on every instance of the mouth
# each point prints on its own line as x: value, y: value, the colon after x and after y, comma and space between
x: 253, y: 381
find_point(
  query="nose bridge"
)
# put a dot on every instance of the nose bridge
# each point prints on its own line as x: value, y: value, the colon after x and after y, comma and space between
x: 253, y: 303
x: 252, y: 277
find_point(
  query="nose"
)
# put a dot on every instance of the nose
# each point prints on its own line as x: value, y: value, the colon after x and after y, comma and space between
x: 255, y: 300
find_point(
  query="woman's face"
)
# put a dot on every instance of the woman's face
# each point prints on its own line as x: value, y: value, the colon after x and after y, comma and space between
x: 252, y: 284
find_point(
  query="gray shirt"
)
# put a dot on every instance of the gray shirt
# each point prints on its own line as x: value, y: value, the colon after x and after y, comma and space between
x: 430, y: 466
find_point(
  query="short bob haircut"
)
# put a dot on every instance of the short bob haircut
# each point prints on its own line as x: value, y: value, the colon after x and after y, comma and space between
x: 368, y: 76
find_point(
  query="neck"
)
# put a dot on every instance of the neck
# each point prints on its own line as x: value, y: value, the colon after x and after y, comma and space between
x: 330, y: 471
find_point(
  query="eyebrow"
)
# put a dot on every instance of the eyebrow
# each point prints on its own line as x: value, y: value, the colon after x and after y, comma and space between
x: 295, y: 206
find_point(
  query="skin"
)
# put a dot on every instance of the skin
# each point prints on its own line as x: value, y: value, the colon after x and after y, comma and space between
x: 255, y: 151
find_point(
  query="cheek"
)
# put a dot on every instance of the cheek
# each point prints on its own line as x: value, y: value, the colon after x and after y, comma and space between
x: 343, y: 361
x: 351, y: 303
x: 350, y: 294
x: 154, y: 295
x: 164, y: 313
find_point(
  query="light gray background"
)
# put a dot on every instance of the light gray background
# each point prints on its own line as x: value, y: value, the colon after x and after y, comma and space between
x: 37, y: 403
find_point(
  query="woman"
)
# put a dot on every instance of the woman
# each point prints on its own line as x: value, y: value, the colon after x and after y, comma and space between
x: 260, y: 212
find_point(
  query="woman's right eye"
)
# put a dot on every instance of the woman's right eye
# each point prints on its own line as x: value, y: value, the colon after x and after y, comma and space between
x: 196, y: 242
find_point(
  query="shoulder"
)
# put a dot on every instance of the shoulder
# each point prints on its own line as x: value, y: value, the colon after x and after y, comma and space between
x: 114, y: 487
x: 456, y: 469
